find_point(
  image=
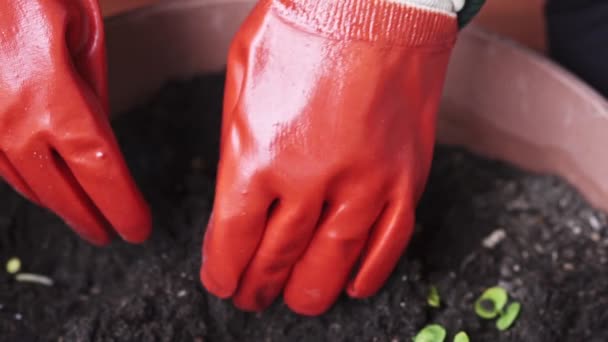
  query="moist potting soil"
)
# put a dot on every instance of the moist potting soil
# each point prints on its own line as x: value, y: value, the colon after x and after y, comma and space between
x: 481, y: 223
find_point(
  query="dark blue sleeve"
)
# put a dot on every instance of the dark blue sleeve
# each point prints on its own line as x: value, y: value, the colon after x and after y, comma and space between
x: 578, y: 38
x: 470, y: 10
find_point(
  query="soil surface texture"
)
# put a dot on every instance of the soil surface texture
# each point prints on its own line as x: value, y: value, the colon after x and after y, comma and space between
x: 547, y: 247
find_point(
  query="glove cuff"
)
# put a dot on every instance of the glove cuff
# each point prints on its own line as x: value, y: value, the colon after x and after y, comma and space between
x: 399, y: 22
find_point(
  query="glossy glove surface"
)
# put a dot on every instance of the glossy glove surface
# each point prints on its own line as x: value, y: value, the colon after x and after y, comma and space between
x: 56, y: 145
x: 327, y: 139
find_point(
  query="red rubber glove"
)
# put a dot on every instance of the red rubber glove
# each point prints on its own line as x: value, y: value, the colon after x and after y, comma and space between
x: 56, y: 145
x: 328, y: 133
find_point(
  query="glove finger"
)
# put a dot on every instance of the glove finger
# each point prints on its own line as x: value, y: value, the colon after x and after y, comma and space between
x: 94, y: 158
x: 287, y: 235
x: 102, y: 173
x: 84, y: 138
x: 321, y: 274
x: 389, y: 238
x: 57, y: 190
x: 96, y: 162
x: 12, y: 177
x: 235, y: 228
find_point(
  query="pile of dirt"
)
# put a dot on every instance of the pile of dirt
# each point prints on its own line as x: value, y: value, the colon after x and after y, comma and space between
x: 552, y: 257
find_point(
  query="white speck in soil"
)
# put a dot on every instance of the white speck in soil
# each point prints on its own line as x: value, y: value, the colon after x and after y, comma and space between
x: 594, y: 222
x: 492, y: 240
x: 404, y: 278
x: 516, y: 268
x: 575, y: 227
x: 18, y: 316
x: 595, y: 237
x: 539, y: 248
x: 402, y: 304
x: 182, y: 293
x: 568, y: 266
x: 95, y: 290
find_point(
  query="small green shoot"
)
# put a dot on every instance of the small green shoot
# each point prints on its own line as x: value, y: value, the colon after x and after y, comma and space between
x: 461, y: 337
x: 508, y: 317
x: 431, y: 333
x: 433, y: 299
x: 13, y: 265
x: 491, y: 302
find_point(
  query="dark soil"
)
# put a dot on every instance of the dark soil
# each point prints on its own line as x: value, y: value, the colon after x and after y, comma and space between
x: 553, y: 258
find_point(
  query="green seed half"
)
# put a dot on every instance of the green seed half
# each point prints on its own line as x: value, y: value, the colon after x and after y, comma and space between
x: 431, y: 333
x: 433, y: 299
x: 461, y: 337
x: 491, y: 302
x: 13, y: 265
x: 507, y: 319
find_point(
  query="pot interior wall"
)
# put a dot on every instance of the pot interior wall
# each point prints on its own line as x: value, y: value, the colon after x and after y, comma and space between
x: 172, y: 39
x: 501, y: 100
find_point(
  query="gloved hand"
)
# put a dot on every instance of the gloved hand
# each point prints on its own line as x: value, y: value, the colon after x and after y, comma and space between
x: 56, y: 145
x: 327, y: 139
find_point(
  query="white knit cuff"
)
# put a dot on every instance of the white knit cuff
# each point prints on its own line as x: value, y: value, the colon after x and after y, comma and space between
x: 443, y: 6
x: 396, y: 22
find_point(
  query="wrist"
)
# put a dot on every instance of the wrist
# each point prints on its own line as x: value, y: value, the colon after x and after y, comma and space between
x: 399, y: 22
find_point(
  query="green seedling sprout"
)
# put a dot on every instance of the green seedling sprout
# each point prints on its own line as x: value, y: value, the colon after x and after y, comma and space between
x: 13, y: 265
x: 431, y: 333
x: 491, y: 302
x: 508, y: 317
x: 461, y: 337
x: 433, y: 299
